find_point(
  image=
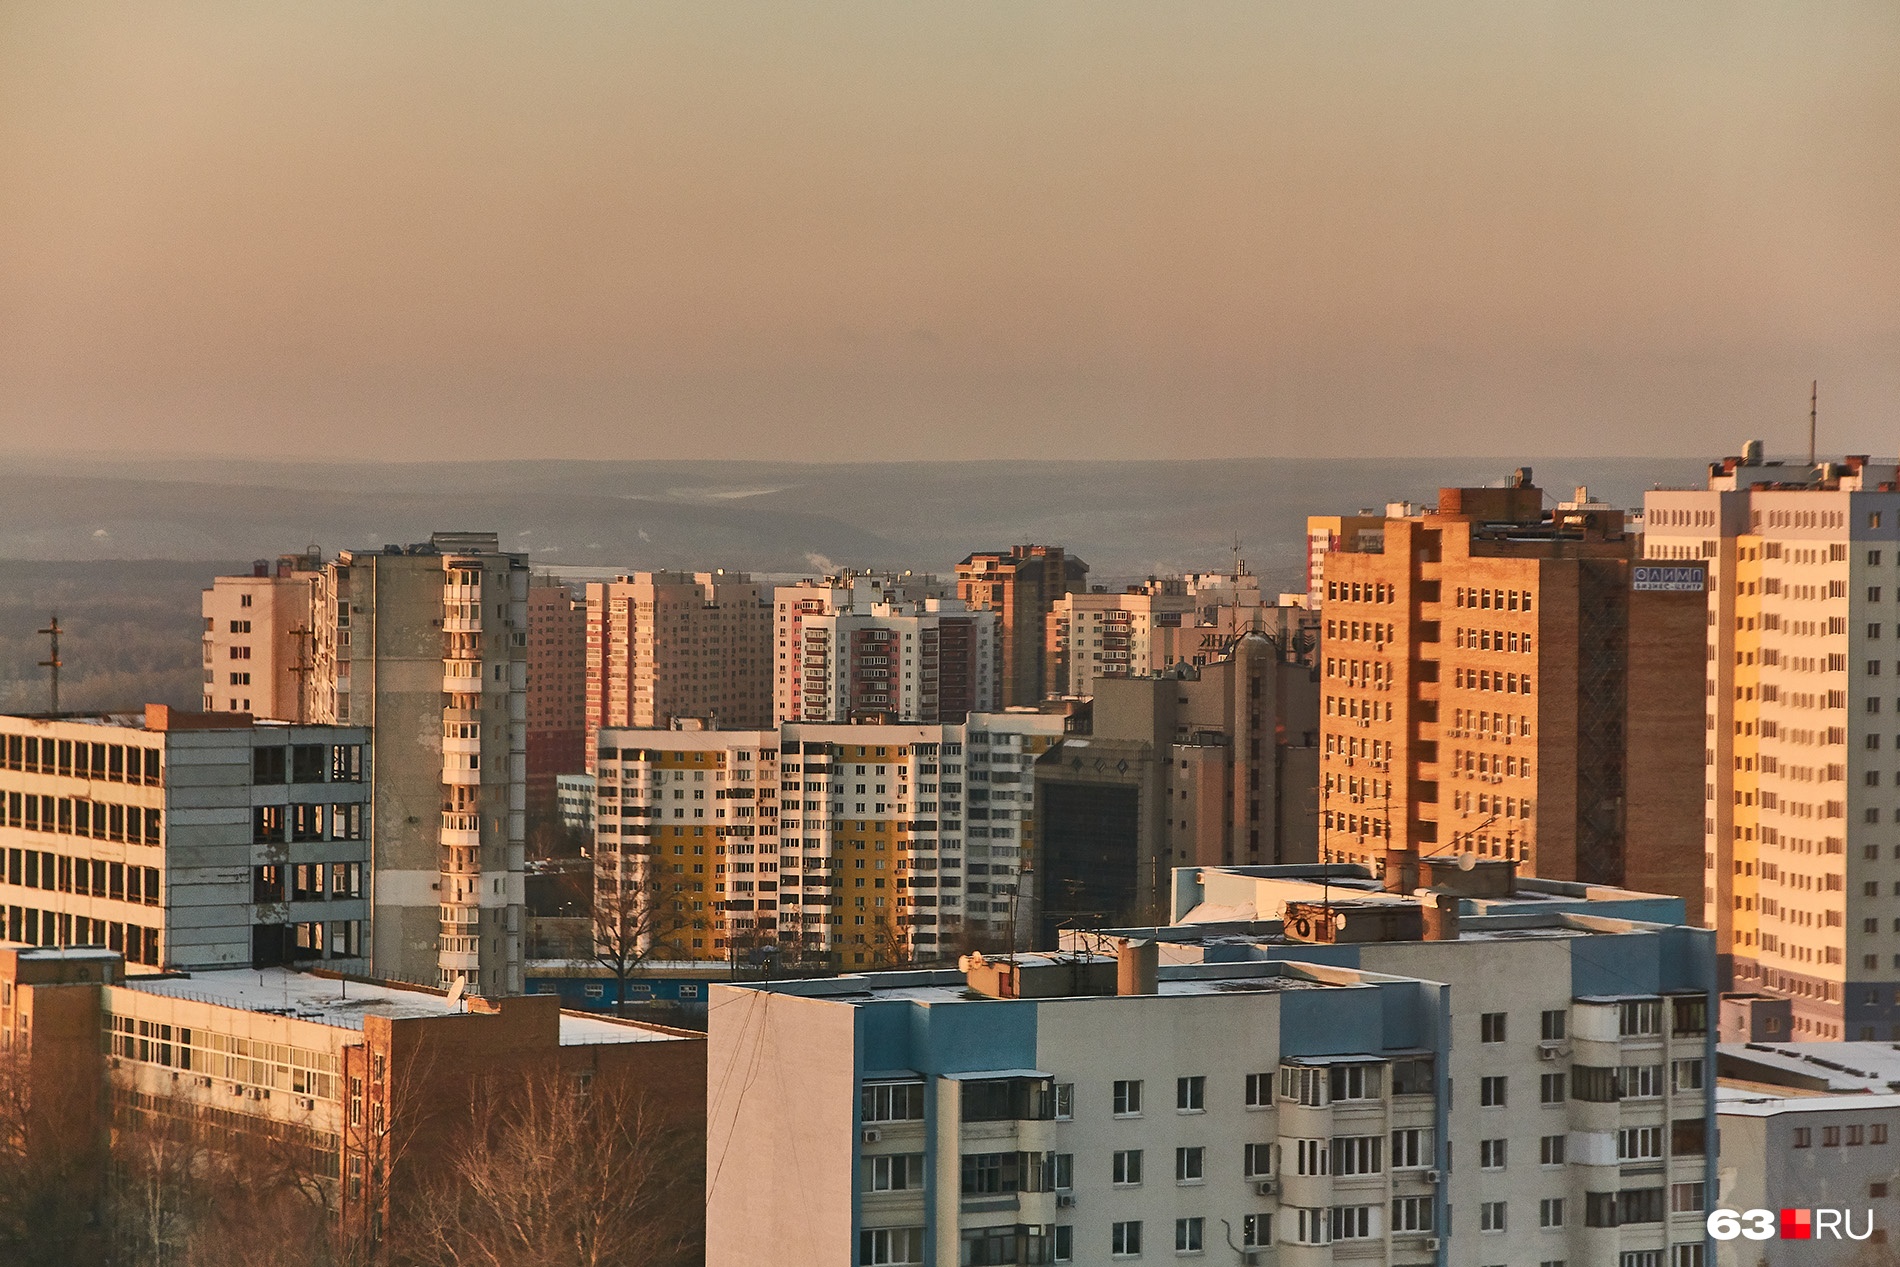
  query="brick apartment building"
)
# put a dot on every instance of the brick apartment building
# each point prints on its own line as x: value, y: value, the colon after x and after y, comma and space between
x: 557, y: 688
x: 1021, y: 585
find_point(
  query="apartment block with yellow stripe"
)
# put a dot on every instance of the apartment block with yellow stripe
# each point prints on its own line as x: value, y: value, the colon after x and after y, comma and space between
x: 841, y: 845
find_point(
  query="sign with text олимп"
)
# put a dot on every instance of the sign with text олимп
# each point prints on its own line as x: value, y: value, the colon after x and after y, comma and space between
x: 1674, y: 578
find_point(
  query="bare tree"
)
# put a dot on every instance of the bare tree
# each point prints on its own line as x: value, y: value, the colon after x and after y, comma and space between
x: 632, y: 918
x: 555, y: 1170
x: 48, y: 1168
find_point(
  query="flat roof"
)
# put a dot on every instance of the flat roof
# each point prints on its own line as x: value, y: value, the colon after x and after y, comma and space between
x: 334, y: 1001
x: 1258, y: 976
x: 1735, y: 1102
x: 1846, y: 1067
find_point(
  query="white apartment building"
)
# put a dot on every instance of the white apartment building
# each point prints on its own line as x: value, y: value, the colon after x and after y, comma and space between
x: 260, y: 639
x: 1802, y: 830
x: 1265, y: 1096
x: 929, y: 660
x: 426, y: 645
x: 849, y: 844
x: 1150, y: 627
x: 186, y: 840
x: 843, y: 591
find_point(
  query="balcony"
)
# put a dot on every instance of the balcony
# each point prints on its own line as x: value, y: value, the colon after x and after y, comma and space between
x: 460, y: 831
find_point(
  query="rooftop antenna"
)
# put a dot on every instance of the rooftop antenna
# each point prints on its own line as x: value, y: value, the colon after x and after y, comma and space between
x: 1814, y: 411
x: 52, y: 631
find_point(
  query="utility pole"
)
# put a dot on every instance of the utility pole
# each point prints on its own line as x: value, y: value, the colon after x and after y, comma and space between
x: 52, y: 631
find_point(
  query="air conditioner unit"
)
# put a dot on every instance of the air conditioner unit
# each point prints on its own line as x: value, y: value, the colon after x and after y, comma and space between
x: 873, y: 1136
x: 1434, y: 1176
x: 1552, y: 1051
x: 1431, y: 1242
x: 1065, y: 1201
x: 1265, y: 1187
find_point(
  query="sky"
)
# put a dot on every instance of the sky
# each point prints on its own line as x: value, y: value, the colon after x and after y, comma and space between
x: 405, y: 230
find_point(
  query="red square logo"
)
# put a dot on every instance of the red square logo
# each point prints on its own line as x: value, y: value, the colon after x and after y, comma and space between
x: 1797, y: 1225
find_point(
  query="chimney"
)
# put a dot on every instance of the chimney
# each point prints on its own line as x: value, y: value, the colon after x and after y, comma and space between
x: 1401, y: 871
x: 1441, y: 916
x: 1136, y: 965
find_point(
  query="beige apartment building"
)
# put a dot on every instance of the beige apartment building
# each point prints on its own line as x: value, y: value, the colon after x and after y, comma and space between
x: 1506, y: 682
x: 1801, y: 759
x: 427, y: 646
x: 929, y: 660
x: 1021, y: 585
x: 667, y: 646
x: 259, y: 639
x: 842, y: 591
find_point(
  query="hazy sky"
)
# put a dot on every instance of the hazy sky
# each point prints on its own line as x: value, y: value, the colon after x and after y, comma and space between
x: 893, y: 230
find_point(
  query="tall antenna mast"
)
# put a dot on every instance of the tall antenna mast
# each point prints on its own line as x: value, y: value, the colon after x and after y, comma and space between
x: 52, y: 631
x: 1814, y: 411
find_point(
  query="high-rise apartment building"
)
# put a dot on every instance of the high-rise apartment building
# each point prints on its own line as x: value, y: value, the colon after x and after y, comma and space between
x: 1198, y: 765
x: 1801, y: 760
x: 665, y: 646
x: 259, y: 639
x: 1505, y: 682
x: 186, y: 840
x: 427, y: 646
x: 825, y: 596
x: 557, y: 688
x: 1021, y: 585
x: 932, y: 660
x: 841, y: 844
x: 1280, y: 1092
x: 1325, y: 534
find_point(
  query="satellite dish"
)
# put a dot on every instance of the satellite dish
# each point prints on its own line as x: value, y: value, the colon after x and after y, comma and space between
x: 1339, y: 919
x: 456, y: 992
x: 1466, y: 861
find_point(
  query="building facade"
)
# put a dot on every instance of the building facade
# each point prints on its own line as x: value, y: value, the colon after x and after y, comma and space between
x: 847, y: 845
x: 1021, y: 585
x: 557, y: 688
x: 667, y: 646
x: 1801, y: 811
x: 927, y: 661
x: 260, y: 639
x: 1284, y: 1099
x: 186, y: 840
x: 1506, y: 682
x: 426, y: 645
x: 824, y: 596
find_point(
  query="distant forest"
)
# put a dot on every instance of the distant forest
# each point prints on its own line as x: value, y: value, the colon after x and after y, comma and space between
x: 131, y: 633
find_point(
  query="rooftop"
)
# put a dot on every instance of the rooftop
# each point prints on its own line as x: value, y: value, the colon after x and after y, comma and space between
x: 1840, y: 1068
x: 946, y: 986
x: 344, y: 1003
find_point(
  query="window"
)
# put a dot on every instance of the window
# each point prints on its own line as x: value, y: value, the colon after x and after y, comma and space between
x: 1550, y: 1088
x: 1312, y: 1157
x: 1008, y: 1100
x: 1065, y: 1101
x: 1124, y: 1239
x: 1190, y: 1095
x: 1258, y: 1161
x: 1639, y: 1018
x: 1350, y: 1222
x: 1411, y: 1148
x: 1594, y: 1084
x: 1357, y: 1154
x: 1803, y: 1137
x: 1876, y: 1134
x: 1259, y: 1090
x: 1491, y: 1092
x: 1639, y: 1082
x: 892, y: 1102
x: 1313, y: 1227
x: 1256, y: 1231
x: 1685, y: 1075
x: 897, y: 1173
x: 985, y: 1173
x: 1690, y: 1015
x: 1550, y: 1212
x: 1491, y: 1216
x: 1187, y: 1235
x: 890, y: 1246
x: 1491, y: 1154
x: 1061, y: 1244
x: 1128, y: 1098
x: 1190, y: 1165
x: 1685, y: 1198
x: 1491, y: 1027
x: 1412, y: 1077
x: 1553, y: 1024
x: 1411, y: 1214
x: 1639, y: 1143
x: 1689, y: 1255
x: 1128, y: 1167
x: 1353, y: 1082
